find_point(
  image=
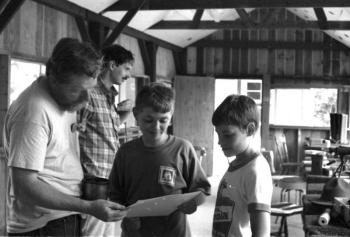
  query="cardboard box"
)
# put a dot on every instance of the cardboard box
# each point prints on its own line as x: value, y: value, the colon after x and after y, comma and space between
x: 342, y: 206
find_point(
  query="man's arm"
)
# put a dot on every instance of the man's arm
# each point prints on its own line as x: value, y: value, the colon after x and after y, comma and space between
x: 260, y: 223
x: 124, y: 109
x: 29, y: 188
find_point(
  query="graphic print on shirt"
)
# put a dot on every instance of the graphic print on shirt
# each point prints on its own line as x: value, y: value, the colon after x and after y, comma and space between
x: 223, y: 211
x: 167, y: 176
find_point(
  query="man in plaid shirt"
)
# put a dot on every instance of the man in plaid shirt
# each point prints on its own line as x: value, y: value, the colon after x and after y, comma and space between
x: 98, y: 125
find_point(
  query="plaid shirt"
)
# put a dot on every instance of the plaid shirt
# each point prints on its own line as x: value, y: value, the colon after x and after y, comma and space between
x: 99, y: 134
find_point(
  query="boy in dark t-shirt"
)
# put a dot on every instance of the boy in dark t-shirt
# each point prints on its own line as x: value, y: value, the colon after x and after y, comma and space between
x: 156, y: 164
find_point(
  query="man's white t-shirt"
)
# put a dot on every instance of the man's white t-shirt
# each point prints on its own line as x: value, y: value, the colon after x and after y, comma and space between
x: 38, y: 136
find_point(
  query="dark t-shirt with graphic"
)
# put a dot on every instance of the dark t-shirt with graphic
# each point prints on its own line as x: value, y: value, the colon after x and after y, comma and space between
x: 141, y: 172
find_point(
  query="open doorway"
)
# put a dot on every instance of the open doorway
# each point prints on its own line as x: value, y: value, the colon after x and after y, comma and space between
x: 223, y: 88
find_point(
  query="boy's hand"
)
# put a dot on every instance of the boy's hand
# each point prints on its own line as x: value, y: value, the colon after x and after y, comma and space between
x: 106, y: 210
x: 191, y: 206
x: 188, y: 207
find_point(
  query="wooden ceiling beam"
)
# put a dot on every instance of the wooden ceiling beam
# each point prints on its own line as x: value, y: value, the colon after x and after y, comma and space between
x: 8, y: 10
x: 122, y: 24
x: 124, y: 5
x: 245, y: 17
x: 246, y: 44
x: 3, y: 4
x: 321, y: 17
x: 238, y: 24
x: 197, y: 17
x: 83, y: 29
x: 269, y: 17
x: 77, y: 11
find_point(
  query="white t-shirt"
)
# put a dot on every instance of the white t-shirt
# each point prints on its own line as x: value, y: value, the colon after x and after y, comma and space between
x: 38, y: 136
x: 245, y: 188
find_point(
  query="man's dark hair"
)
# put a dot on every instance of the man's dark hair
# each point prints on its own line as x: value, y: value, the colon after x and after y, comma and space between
x: 70, y: 56
x: 159, y: 97
x: 118, y: 54
x: 238, y: 110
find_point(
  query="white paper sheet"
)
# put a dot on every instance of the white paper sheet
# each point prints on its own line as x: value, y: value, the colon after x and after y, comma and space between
x: 160, y: 206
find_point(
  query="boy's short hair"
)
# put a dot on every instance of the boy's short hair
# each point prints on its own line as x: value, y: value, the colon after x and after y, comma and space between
x: 70, y: 56
x: 158, y: 96
x: 238, y: 110
x: 118, y: 54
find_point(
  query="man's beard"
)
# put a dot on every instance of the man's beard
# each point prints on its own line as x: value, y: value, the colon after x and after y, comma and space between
x: 80, y: 103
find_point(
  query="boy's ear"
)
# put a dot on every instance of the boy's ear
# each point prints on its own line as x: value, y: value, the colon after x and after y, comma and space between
x: 134, y: 112
x: 250, y: 129
x: 111, y: 65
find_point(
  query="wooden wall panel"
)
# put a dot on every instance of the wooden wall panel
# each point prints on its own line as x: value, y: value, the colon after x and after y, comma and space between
x: 131, y: 44
x: 227, y: 55
x: 299, y: 59
x: 290, y: 53
x: 344, y: 63
x: 244, y: 54
x: 276, y: 62
x: 280, y: 53
x: 262, y: 55
x: 27, y: 34
x: 317, y: 55
x: 4, y: 98
x: 219, y: 54
x: 3, y: 186
x: 165, y: 64
x: 271, y: 54
x: 307, y: 54
x: 191, y: 60
x: 235, y: 54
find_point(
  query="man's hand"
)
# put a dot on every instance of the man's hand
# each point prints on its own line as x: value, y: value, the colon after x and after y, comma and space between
x: 125, y: 105
x: 106, y: 210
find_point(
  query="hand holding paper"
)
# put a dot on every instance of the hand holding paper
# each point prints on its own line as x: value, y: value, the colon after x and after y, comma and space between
x: 162, y: 206
x: 190, y: 206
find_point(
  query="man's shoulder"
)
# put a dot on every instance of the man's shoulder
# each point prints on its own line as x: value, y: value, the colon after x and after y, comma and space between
x: 31, y: 103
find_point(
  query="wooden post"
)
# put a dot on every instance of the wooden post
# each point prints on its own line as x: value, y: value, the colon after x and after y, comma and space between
x: 4, y: 101
x: 265, y: 111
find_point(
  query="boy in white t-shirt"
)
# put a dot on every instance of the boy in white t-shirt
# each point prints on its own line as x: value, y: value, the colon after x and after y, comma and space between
x: 244, y: 195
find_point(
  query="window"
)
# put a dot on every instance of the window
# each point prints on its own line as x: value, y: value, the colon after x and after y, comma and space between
x: 302, y: 107
x: 252, y: 88
x: 23, y: 73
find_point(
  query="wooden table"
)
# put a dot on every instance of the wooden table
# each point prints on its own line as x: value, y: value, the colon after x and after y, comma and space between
x: 311, y: 213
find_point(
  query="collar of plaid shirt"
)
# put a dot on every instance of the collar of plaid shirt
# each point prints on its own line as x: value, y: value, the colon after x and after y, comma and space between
x: 110, y: 93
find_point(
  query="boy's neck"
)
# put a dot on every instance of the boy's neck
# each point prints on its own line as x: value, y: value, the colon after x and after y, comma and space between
x: 250, y: 152
x: 155, y: 143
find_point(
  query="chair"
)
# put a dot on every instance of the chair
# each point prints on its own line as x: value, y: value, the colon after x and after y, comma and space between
x: 286, y: 207
x: 284, y: 210
x: 288, y: 184
x: 276, y: 176
x: 286, y: 166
